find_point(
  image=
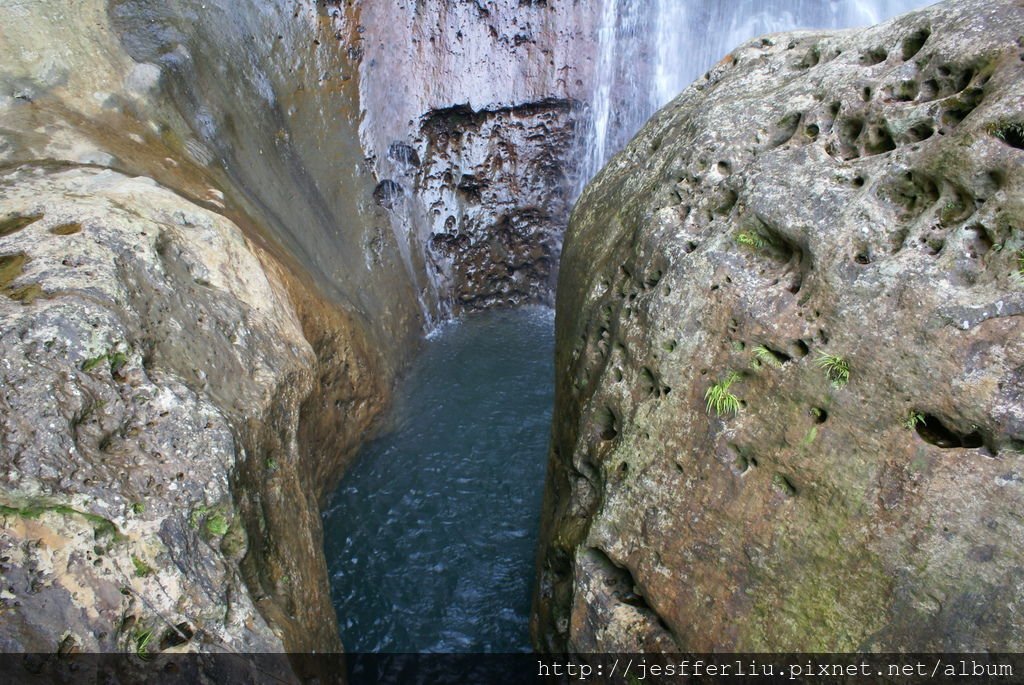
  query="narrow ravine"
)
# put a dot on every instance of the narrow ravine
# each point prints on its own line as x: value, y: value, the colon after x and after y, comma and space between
x: 430, y: 539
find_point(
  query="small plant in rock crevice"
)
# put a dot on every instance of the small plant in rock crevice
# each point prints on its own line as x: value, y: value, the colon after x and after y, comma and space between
x: 142, y: 569
x: 1009, y: 132
x: 912, y: 419
x: 752, y: 239
x: 763, y: 355
x: 719, y: 398
x: 837, y: 369
x: 142, y: 640
x: 217, y: 525
x: 117, y: 360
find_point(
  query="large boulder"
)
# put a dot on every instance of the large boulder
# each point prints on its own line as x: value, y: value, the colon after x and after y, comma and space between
x: 197, y: 327
x: 157, y: 492
x: 825, y: 233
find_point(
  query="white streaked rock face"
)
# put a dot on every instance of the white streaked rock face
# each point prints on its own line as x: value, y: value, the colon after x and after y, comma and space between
x: 469, y: 117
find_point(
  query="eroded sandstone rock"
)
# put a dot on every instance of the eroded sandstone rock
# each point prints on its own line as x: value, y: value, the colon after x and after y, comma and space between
x: 854, y: 194
x: 200, y: 323
x: 136, y: 327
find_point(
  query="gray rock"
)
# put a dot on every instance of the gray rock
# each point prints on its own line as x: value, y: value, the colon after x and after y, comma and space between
x: 138, y: 330
x: 198, y: 329
x: 486, y: 99
x: 854, y: 194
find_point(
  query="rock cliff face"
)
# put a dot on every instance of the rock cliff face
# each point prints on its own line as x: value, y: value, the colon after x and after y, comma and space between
x: 203, y: 308
x: 155, y: 374
x: 470, y: 114
x: 827, y: 230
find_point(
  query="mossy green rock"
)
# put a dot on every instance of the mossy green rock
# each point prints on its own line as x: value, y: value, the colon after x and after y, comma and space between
x: 881, y: 221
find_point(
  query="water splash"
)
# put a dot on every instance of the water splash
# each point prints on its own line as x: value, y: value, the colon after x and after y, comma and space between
x: 650, y: 51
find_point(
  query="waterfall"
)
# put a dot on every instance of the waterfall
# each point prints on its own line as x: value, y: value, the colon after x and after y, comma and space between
x: 651, y: 50
x: 621, y: 76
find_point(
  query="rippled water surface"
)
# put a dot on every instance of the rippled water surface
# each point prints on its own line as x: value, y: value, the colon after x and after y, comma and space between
x: 430, y: 538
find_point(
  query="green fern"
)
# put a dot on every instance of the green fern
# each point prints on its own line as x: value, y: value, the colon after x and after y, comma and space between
x: 1003, y: 131
x: 912, y: 419
x: 763, y: 355
x: 719, y: 399
x: 837, y: 369
x: 751, y: 239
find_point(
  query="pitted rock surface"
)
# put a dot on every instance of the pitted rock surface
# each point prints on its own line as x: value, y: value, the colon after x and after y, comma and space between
x: 849, y: 198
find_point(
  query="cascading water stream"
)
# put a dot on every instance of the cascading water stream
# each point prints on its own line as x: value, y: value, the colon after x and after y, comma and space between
x: 649, y: 52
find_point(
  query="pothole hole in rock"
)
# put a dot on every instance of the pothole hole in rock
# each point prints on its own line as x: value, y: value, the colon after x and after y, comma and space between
x: 913, y: 43
x: 180, y: 634
x: 13, y: 224
x: 935, y: 432
x: 1011, y: 133
x: 605, y: 423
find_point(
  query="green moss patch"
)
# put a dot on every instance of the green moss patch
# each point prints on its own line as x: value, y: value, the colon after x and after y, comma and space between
x: 142, y: 569
x: 13, y: 224
x: 11, y: 266
x: 101, y: 526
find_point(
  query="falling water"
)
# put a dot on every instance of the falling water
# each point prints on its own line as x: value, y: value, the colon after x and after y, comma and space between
x: 637, y: 75
x: 617, y: 82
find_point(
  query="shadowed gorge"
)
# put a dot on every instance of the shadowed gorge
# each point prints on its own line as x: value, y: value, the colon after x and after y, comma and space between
x: 277, y: 367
